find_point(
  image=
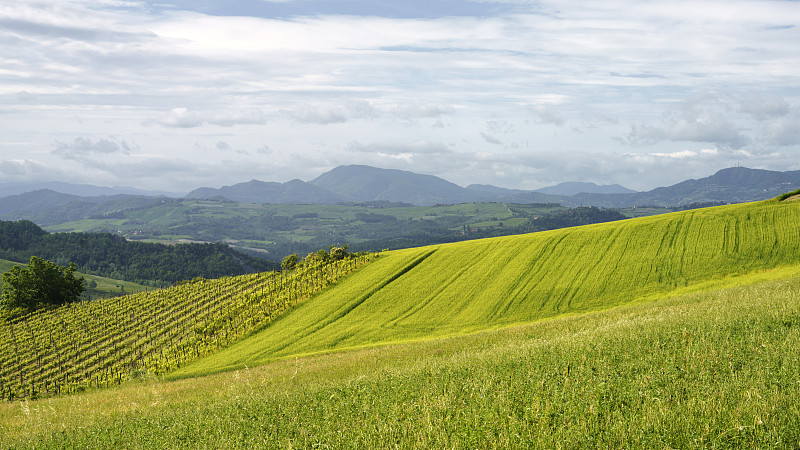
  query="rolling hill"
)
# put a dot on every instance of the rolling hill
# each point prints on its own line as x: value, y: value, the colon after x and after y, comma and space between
x: 476, y: 285
x: 680, y: 330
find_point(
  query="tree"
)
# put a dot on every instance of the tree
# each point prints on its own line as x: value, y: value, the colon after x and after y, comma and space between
x: 290, y: 262
x: 339, y: 253
x: 42, y: 283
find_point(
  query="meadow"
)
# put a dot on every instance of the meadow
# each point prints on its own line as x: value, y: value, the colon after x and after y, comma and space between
x: 717, y: 369
x: 675, y: 331
x: 475, y: 285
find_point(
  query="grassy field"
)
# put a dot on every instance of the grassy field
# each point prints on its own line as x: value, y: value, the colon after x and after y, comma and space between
x: 718, y: 369
x: 676, y: 331
x: 475, y: 285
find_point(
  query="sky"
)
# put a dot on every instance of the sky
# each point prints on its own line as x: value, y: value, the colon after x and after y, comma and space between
x: 175, y: 95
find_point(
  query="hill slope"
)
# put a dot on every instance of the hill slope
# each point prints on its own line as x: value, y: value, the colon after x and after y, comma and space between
x: 469, y: 286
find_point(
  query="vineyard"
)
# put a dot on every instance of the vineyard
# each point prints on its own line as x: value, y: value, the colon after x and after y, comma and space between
x: 105, y: 342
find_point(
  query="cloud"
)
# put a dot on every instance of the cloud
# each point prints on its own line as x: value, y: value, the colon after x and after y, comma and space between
x: 701, y: 118
x: 491, y: 139
x: 413, y: 111
x: 329, y: 113
x: 185, y: 118
x: 181, y: 118
x: 548, y: 114
x: 763, y: 106
x: 81, y: 148
x: 416, y: 91
x: 716, y: 130
x: 685, y: 154
x: 24, y: 27
x: 21, y: 169
x: 412, y: 148
x: 785, y: 131
x: 500, y: 126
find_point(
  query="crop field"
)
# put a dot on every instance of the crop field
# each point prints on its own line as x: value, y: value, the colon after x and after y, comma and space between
x: 715, y: 369
x: 475, y: 285
x: 104, y: 342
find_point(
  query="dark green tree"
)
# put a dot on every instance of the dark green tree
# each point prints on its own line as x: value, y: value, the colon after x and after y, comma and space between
x: 40, y: 284
x: 290, y: 262
x: 339, y: 253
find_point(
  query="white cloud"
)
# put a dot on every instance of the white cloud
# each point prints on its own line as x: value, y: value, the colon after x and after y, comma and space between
x: 685, y: 154
x: 185, y: 118
x: 83, y: 147
x: 785, y: 131
x: 701, y: 118
x: 548, y: 114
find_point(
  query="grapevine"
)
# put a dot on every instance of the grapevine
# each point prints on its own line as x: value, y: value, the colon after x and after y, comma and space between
x: 104, y: 342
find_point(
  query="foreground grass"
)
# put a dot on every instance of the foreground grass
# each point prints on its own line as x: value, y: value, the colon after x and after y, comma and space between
x: 719, y: 369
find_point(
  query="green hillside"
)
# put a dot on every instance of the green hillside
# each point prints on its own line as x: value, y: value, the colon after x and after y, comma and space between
x: 475, y: 285
x: 701, y: 350
x: 717, y: 369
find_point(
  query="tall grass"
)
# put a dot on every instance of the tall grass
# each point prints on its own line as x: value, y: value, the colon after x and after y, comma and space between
x: 718, y: 369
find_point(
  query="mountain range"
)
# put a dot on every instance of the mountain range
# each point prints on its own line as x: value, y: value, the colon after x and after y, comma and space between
x: 355, y: 183
x: 369, y: 184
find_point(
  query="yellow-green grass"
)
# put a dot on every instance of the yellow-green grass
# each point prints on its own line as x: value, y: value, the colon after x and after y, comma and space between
x: 717, y: 369
x: 476, y: 285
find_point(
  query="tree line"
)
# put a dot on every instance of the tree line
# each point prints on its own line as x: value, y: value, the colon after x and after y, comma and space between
x: 115, y: 257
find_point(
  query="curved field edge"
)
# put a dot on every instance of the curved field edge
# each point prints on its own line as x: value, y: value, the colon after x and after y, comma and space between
x: 711, y: 369
x: 489, y: 283
x: 89, y: 345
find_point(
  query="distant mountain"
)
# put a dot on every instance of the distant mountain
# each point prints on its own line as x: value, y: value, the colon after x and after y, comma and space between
x: 731, y: 185
x: 81, y: 190
x: 574, y: 188
x: 357, y: 183
x: 365, y: 183
x: 254, y: 191
x: 47, y: 207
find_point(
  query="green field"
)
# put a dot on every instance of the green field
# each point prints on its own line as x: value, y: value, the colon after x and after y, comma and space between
x: 675, y: 331
x: 474, y: 285
x: 717, y: 369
